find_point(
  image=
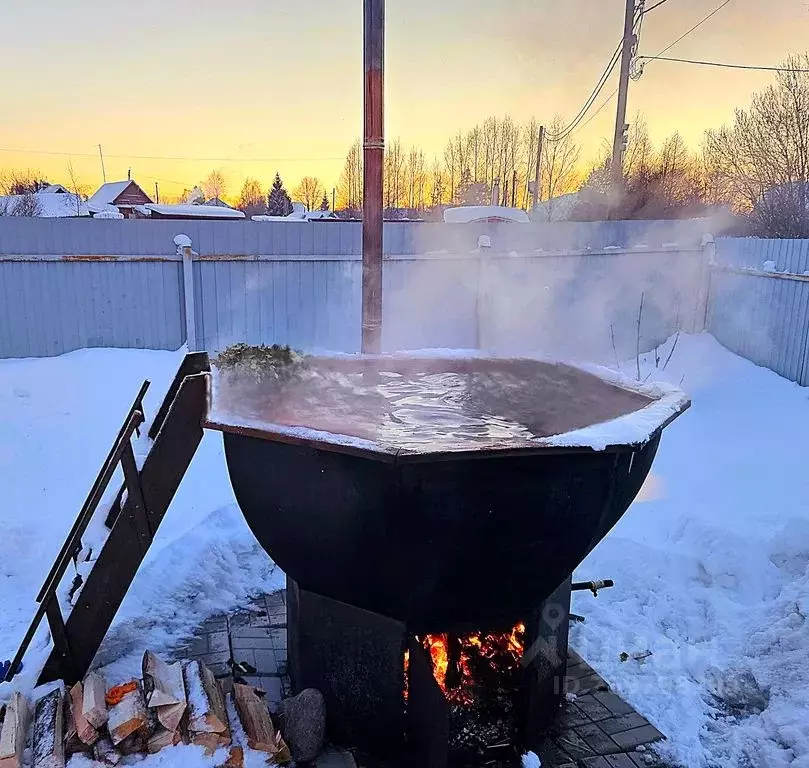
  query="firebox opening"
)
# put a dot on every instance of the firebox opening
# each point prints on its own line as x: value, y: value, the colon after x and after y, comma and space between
x: 483, y: 682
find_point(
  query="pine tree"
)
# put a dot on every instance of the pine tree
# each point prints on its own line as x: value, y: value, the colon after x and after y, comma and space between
x: 324, y: 203
x: 278, y: 201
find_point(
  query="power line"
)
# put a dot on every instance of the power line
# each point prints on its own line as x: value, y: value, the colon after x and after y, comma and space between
x: 167, y: 157
x: 656, y: 5
x: 601, y: 107
x: 721, y: 64
x: 695, y: 27
x: 590, y: 99
x: 602, y: 81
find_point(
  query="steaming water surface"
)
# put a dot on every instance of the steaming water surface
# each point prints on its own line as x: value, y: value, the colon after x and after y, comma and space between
x: 508, y: 405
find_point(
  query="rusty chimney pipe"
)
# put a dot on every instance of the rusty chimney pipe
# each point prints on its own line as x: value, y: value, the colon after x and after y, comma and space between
x: 374, y: 153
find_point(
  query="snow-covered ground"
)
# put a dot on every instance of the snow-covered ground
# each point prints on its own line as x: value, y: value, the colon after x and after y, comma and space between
x: 711, y: 563
x: 711, y: 570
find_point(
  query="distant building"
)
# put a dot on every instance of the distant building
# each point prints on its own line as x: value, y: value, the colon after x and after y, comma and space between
x: 126, y: 196
x: 205, y: 212
x: 215, y: 201
x: 47, y: 205
x: 55, y: 189
x: 485, y: 214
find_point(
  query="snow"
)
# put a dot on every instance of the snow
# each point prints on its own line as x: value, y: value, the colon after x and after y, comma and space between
x: 711, y: 563
x: 194, y: 211
x: 108, y: 214
x: 50, y: 205
x: 182, y: 241
x: 60, y: 416
x: 711, y: 566
x: 468, y: 214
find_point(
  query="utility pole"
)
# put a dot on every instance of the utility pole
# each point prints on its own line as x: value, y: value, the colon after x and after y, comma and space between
x: 103, y: 172
x: 374, y: 153
x: 333, y: 198
x: 538, y: 175
x: 619, y: 138
x: 156, y: 193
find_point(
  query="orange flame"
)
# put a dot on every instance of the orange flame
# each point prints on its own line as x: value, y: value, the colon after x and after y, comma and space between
x: 494, y: 647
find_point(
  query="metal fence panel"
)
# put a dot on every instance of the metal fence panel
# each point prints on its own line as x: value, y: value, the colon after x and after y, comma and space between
x: 52, y: 307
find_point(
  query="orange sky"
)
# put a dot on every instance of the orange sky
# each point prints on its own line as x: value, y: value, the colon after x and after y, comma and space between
x: 269, y: 85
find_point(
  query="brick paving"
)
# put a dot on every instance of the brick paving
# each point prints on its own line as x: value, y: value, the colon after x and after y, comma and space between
x: 595, y: 729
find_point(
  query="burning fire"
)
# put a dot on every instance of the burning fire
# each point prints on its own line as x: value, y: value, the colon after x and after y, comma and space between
x: 457, y: 660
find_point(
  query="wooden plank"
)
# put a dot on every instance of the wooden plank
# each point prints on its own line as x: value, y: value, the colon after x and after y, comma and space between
x: 136, y: 506
x: 61, y: 645
x: 118, y: 560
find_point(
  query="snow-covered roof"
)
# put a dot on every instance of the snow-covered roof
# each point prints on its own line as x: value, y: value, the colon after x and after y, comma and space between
x: 50, y: 205
x: 292, y: 217
x: 194, y: 211
x: 106, y: 193
x: 54, y: 188
x: 468, y: 214
x: 215, y: 201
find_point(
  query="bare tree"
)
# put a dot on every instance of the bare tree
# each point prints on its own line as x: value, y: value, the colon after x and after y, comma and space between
x: 26, y: 204
x: 394, y: 187
x: 560, y: 165
x: 78, y: 190
x: 309, y: 192
x: 252, y: 200
x: 763, y: 156
x: 215, y: 185
x: 17, y: 182
x: 349, y: 187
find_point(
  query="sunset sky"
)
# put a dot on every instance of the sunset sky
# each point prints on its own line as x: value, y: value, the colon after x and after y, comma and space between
x: 258, y: 85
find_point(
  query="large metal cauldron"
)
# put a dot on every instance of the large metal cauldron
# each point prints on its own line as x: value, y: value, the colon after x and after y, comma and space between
x: 449, y: 540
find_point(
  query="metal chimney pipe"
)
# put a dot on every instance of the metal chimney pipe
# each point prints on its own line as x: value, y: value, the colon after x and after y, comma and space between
x: 374, y: 155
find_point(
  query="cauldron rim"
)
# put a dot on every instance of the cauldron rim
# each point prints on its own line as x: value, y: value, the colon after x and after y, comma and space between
x: 665, y: 403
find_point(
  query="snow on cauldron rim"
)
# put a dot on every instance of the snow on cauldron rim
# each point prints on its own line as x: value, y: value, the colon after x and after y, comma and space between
x: 422, y: 403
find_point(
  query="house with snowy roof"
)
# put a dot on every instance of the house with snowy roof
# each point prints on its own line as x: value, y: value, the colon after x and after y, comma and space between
x: 46, y: 205
x: 126, y: 196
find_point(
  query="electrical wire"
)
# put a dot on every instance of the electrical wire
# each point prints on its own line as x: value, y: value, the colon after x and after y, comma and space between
x: 721, y: 64
x: 564, y: 132
x: 602, y: 81
x: 695, y: 27
x: 178, y: 158
x: 656, y: 5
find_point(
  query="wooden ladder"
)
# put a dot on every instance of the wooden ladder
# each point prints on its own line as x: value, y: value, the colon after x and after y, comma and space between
x: 134, y: 518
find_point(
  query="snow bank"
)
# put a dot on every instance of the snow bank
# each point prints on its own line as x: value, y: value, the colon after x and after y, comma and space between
x: 711, y: 566
x: 60, y: 416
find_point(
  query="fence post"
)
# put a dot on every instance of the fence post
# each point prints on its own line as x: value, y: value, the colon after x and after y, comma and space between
x: 183, y: 243
x: 701, y: 321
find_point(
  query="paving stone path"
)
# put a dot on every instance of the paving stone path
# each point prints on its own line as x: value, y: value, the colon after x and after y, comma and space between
x: 596, y: 729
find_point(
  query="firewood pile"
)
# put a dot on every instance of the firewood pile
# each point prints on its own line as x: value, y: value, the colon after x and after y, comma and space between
x: 180, y: 703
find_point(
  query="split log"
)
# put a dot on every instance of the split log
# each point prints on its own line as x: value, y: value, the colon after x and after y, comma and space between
x: 162, y: 738
x: 94, y: 707
x: 164, y: 690
x: 206, y: 703
x: 104, y: 752
x: 79, y: 724
x: 72, y: 742
x: 13, y: 726
x: 129, y: 715
x: 256, y: 723
x: 49, y: 751
x: 235, y: 758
